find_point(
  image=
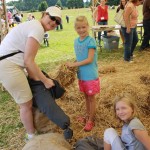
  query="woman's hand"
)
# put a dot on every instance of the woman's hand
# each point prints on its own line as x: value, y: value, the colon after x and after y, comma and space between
x: 128, y: 30
x: 48, y: 83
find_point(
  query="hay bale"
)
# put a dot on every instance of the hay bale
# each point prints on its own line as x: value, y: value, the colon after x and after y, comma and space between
x: 42, y: 123
x: 50, y: 141
x: 66, y: 76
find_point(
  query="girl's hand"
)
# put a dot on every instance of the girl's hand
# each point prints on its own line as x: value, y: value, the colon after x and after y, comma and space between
x: 70, y: 64
x: 128, y: 30
x: 48, y: 83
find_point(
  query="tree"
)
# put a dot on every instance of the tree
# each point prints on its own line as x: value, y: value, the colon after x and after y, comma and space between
x: 63, y: 3
x: 51, y: 2
x: 70, y: 4
x: 42, y: 6
x: 80, y: 4
x: 87, y: 4
x: 75, y: 4
x: 59, y: 3
x: 113, y: 2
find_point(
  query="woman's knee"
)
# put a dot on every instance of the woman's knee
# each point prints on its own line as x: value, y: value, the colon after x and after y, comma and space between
x: 109, y: 135
x: 26, y: 106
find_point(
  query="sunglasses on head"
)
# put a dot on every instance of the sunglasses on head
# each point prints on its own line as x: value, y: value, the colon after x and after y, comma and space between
x: 54, y: 19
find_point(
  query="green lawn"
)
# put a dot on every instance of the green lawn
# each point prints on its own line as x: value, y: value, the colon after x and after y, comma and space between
x: 61, y: 42
x: 60, y: 50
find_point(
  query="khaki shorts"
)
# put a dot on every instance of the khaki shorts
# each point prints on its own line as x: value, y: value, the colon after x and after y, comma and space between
x: 15, y: 82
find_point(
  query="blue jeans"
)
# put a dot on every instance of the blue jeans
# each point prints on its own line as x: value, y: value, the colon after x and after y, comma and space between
x: 99, y: 33
x: 131, y: 40
x: 146, y: 26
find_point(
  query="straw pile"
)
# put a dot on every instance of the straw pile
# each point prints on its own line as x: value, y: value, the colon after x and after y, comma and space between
x: 115, y: 78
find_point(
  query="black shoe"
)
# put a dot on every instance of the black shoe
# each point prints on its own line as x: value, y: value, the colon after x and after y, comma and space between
x: 68, y: 133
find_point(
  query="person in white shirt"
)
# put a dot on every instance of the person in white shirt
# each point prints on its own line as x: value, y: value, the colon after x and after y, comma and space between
x: 26, y: 38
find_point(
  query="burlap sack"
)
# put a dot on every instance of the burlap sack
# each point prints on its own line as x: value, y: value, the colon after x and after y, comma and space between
x: 42, y: 123
x: 49, y: 141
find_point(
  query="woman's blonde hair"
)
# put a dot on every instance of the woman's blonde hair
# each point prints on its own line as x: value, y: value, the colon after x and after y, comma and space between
x: 81, y: 19
x: 129, y: 100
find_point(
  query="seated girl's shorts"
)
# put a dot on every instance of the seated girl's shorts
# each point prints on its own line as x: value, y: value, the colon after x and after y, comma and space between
x: 90, y: 87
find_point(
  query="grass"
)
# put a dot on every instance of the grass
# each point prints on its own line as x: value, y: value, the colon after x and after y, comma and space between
x: 61, y: 42
x: 60, y: 50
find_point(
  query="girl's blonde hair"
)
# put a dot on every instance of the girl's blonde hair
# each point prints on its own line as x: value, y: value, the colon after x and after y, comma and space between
x: 129, y: 100
x: 81, y: 19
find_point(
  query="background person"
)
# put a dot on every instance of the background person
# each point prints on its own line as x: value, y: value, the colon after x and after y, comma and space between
x: 146, y: 25
x: 10, y: 19
x: 100, y: 14
x: 129, y: 31
x: 86, y: 56
x: 29, y: 17
x: 26, y: 37
x: 17, y: 18
x: 67, y: 18
x: 121, y: 6
x: 134, y: 135
x: 46, y: 37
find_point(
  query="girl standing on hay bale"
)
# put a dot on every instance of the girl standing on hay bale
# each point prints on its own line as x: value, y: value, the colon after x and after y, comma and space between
x: 23, y: 42
x: 86, y: 55
x: 134, y: 135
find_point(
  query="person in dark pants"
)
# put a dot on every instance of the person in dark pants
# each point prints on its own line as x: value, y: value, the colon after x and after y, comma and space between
x: 48, y: 105
x: 59, y: 27
x: 17, y: 19
x: 146, y: 25
x: 101, y: 16
x: 129, y: 31
x: 67, y: 18
x: 46, y: 37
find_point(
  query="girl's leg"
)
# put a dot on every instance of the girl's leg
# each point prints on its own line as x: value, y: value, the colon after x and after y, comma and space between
x: 112, y: 140
x: 92, y: 103
x: 107, y: 146
x: 87, y: 105
x: 90, y: 106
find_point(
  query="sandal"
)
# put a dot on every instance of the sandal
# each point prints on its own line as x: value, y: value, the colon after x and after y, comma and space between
x: 81, y: 119
x: 89, y: 126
